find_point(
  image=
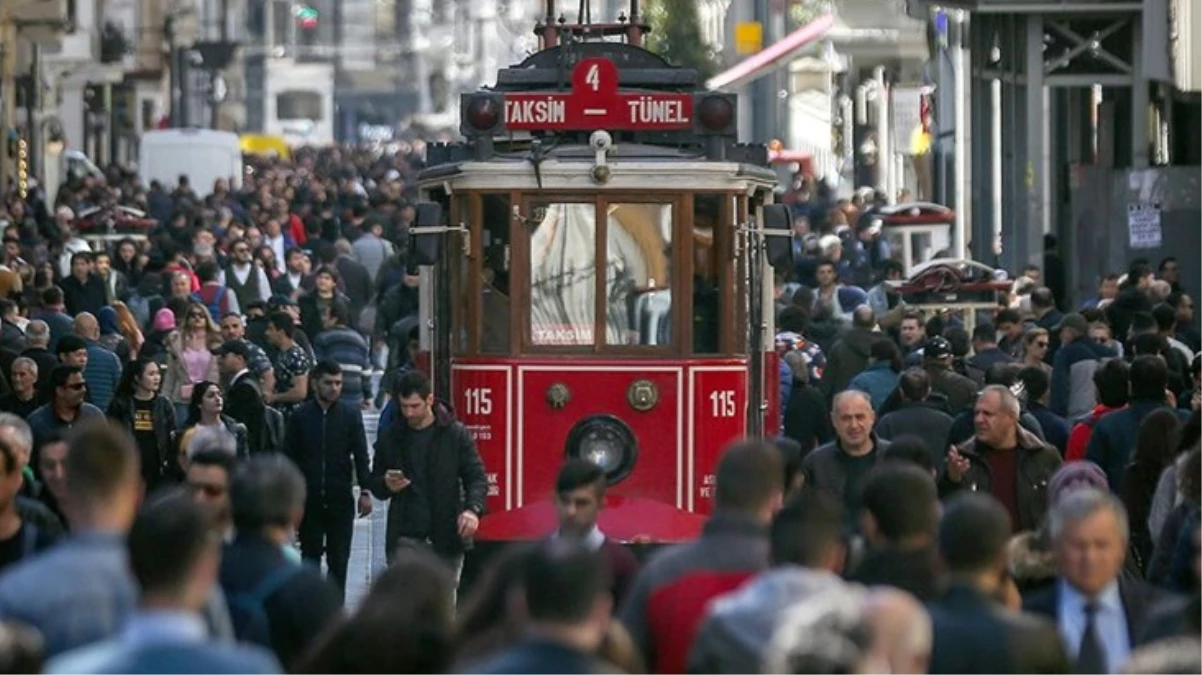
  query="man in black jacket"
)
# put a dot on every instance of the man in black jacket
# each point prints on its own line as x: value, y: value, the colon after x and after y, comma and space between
x: 973, y: 632
x: 431, y: 471
x: 83, y: 291
x: 325, y: 438
x: 244, y: 397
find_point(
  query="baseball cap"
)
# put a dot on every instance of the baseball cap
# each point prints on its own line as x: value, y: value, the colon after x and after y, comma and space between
x: 1075, y: 321
x: 233, y: 347
x: 937, y: 348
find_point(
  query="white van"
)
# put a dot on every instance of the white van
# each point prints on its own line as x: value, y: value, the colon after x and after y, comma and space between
x: 203, y: 155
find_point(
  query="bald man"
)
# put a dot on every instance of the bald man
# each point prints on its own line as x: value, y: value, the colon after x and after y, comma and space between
x: 103, y: 372
x: 841, y: 467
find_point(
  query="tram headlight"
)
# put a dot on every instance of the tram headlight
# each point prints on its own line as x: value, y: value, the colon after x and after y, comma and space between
x: 483, y: 112
x: 716, y: 112
x: 607, y: 442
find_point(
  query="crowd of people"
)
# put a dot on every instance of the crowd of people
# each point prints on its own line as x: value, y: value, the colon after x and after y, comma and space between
x: 183, y: 455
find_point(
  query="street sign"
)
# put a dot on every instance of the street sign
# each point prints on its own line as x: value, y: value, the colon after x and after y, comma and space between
x: 597, y: 103
x: 749, y: 37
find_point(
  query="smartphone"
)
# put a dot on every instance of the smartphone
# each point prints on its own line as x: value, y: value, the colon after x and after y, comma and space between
x: 395, y: 473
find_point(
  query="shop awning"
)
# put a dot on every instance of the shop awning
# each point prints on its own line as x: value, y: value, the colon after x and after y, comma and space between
x: 775, y: 55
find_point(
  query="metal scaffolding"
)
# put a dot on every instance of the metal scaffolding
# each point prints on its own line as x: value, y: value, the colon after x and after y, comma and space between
x: 1052, y: 84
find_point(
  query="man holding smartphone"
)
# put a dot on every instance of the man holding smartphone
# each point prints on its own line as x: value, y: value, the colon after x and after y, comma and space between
x: 430, y: 471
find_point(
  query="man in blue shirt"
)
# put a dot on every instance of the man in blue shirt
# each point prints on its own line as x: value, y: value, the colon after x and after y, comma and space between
x: 1100, y: 614
x: 174, y: 552
x: 80, y: 591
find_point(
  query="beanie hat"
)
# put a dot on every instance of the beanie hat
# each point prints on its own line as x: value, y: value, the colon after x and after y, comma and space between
x: 164, y: 320
x: 1075, y: 476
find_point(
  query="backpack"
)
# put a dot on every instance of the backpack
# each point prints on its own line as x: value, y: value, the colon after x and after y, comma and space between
x: 215, y: 305
x: 247, y: 608
x: 273, y: 420
x: 29, y: 540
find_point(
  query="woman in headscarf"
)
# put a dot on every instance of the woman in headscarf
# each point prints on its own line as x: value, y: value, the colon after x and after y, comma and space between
x: 110, y: 335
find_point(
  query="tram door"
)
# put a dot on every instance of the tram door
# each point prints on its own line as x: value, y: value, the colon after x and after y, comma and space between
x: 439, y: 248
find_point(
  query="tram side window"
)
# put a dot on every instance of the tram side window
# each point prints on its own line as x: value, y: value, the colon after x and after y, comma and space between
x: 707, y: 211
x: 563, y: 274
x: 494, y: 280
x: 638, y: 268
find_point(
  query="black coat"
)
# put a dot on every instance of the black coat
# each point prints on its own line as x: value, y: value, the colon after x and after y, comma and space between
x: 244, y: 402
x: 1037, y: 463
x: 923, y: 420
x: 330, y: 448
x: 806, y: 418
x: 974, y: 635
x: 121, y: 409
x: 1139, y: 601
x: 87, y: 296
x: 456, y: 471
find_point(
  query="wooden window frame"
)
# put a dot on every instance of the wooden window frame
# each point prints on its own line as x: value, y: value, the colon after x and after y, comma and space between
x: 730, y: 269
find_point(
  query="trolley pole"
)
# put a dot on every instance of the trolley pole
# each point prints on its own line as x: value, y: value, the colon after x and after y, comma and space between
x: 963, y: 92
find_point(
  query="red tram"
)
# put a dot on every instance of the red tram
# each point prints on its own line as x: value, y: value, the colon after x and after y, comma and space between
x: 596, y: 260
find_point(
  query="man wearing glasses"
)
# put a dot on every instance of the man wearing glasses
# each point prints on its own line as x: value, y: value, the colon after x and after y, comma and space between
x: 66, y: 408
x: 248, y: 281
x: 1073, y: 392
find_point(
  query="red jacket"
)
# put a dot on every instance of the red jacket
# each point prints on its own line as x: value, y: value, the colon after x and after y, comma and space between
x: 664, y: 610
x: 1078, y: 438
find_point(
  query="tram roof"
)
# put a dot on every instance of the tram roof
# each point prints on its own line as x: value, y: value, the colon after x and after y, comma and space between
x: 560, y: 96
x: 575, y: 174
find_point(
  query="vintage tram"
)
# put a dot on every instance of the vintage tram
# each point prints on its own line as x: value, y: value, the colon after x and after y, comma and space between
x: 595, y: 257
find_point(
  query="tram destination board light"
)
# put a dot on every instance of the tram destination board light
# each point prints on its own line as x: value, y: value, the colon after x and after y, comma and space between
x: 596, y: 102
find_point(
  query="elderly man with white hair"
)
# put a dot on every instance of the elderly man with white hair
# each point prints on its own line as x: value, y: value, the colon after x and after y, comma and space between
x: 841, y: 467
x: 853, y: 630
x: 1003, y: 459
x: 1100, y: 614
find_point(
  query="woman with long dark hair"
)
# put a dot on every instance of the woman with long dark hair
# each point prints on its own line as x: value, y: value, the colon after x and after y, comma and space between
x: 1155, y: 450
x: 150, y: 418
x: 205, y: 410
x: 403, y: 626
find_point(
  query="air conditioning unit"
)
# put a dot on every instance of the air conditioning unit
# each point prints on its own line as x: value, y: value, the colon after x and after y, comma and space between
x: 45, y: 12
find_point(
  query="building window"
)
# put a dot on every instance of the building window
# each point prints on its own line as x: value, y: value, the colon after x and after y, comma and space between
x: 299, y: 105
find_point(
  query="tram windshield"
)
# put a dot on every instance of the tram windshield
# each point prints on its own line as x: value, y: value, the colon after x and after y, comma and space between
x: 634, y: 246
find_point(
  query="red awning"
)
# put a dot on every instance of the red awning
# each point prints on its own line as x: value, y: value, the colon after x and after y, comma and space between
x: 758, y: 65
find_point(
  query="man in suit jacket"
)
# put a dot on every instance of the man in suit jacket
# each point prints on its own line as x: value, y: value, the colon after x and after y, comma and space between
x: 1101, y: 616
x: 973, y: 632
x: 175, y: 554
x: 244, y: 397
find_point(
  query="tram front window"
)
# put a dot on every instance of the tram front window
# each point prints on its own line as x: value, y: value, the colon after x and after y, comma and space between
x: 638, y: 301
x: 563, y: 273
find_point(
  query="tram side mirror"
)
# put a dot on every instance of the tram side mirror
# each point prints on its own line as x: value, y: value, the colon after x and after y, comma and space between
x: 778, y: 229
x: 427, y: 234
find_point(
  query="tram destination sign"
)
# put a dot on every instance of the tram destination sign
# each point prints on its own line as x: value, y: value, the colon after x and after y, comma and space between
x: 597, y: 103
